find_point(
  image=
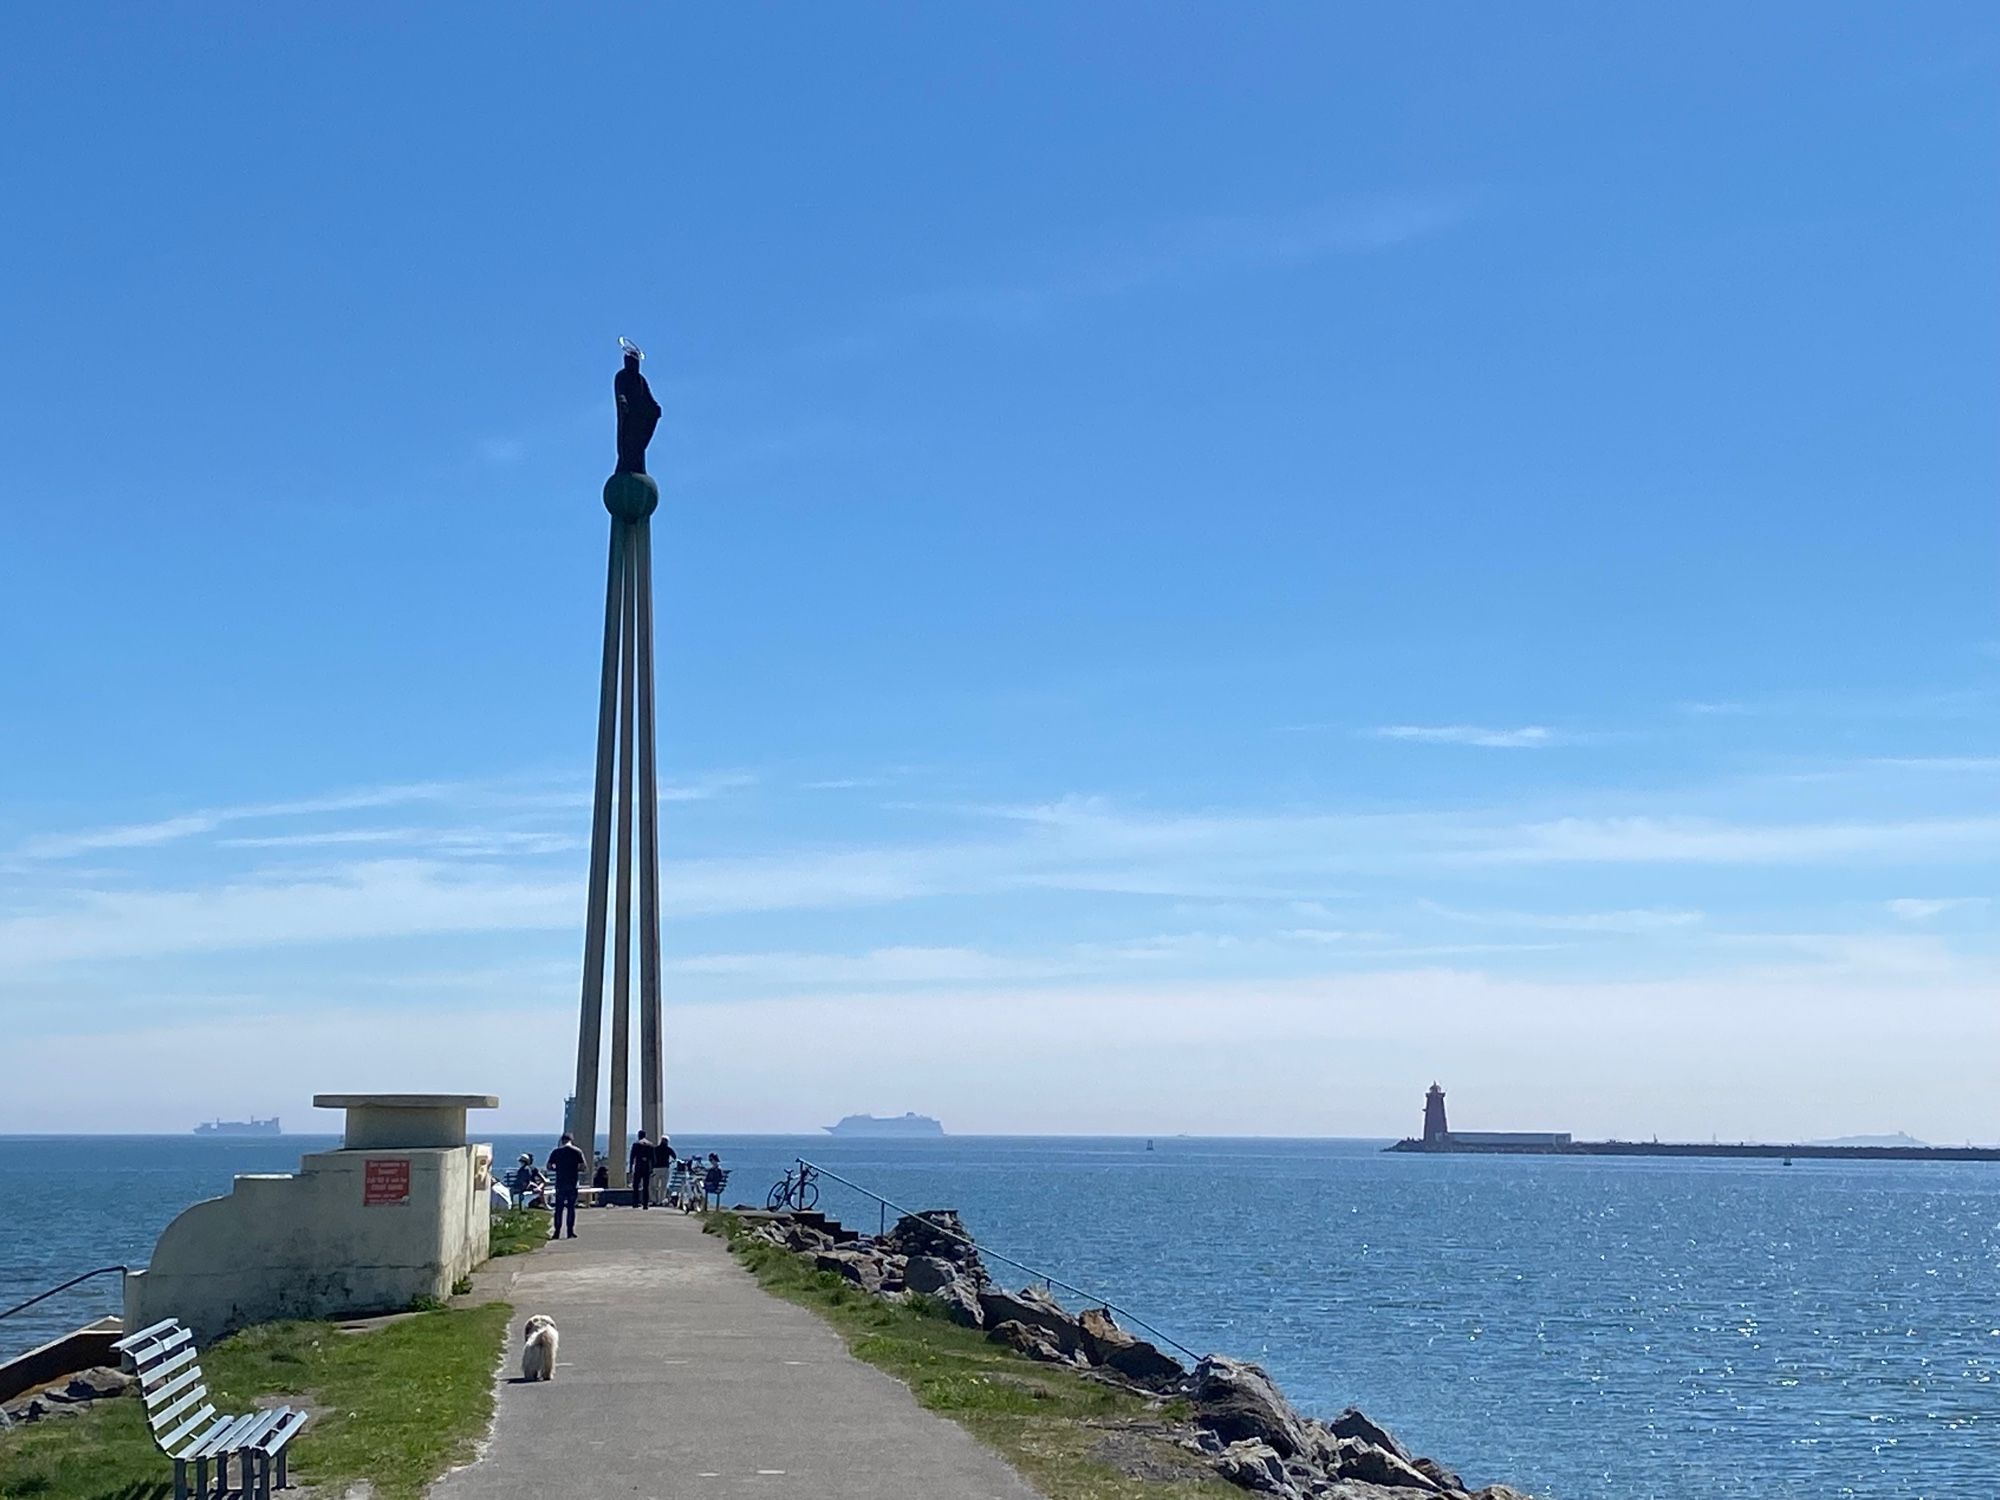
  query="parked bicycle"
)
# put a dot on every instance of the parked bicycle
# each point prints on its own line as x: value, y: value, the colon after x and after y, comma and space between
x: 799, y: 1190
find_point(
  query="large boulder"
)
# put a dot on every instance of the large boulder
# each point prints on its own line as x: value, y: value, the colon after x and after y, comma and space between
x: 1501, y: 1492
x: 1355, y: 1459
x: 1254, y: 1466
x: 1437, y: 1474
x: 1106, y: 1344
x: 940, y: 1233
x: 1354, y: 1423
x: 864, y: 1270
x: 1236, y: 1400
x: 1031, y: 1341
x: 97, y: 1384
x: 927, y: 1273
x: 958, y: 1302
x: 805, y: 1239
x: 1037, y: 1310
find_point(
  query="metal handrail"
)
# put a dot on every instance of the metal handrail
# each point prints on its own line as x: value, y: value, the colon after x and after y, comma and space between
x: 1042, y: 1276
x: 44, y: 1296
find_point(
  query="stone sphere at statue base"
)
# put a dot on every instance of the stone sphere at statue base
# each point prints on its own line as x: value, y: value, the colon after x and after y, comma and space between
x: 631, y: 497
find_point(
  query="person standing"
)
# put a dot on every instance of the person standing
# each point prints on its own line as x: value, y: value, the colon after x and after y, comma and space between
x: 566, y: 1165
x: 642, y: 1171
x: 663, y: 1163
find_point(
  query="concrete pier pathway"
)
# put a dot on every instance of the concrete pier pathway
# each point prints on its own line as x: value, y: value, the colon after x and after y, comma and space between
x: 680, y: 1379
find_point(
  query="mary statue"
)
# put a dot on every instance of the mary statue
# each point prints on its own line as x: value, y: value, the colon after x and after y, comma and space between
x: 638, y: 412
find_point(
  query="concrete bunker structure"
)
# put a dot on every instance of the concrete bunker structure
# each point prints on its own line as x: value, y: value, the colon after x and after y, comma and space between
x: 400, y: 1211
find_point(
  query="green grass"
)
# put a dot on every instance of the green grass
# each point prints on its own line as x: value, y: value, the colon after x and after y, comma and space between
x: 1073, y: 1437
x: 396, y: 1406
x: 519, y: 1230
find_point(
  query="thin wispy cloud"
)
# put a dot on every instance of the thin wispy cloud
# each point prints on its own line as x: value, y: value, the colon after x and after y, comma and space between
x: 1527, y: 737
x: 1714, y: 709
x: 126, y: 836
x: 193, y: 824
x: 1972, y: 764
x: 1920, y: 909
x: 1643, y: 840
x: 1275, y: 871
x: 489, y: 796
x: 1637, y: 920
x: 1188, y: 250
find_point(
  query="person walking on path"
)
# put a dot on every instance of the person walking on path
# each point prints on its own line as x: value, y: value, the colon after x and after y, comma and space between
x: 642, y: 1171
x: 566, y: 1165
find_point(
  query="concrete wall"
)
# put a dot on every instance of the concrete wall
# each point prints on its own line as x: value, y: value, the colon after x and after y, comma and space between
x: 338, y: 1239
x: 71, y: 1354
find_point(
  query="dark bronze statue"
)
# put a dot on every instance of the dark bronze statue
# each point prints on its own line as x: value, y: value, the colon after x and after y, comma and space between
x: 638, y: 412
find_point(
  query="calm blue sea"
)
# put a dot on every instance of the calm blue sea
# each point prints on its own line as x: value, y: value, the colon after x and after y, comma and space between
x: 1588, y: 1329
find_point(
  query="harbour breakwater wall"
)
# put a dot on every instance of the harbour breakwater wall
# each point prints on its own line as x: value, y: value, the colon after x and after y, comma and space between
x: 1236, y: 1419
x: 1455, y: 1145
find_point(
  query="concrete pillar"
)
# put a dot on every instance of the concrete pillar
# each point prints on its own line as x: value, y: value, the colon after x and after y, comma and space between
x: 590, y: 1023
x: 621, y: 946
x: 651, y: 1103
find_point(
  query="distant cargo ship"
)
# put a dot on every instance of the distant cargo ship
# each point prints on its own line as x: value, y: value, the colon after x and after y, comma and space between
x: 1440, y: 1138
x: 907, y: 1124
x: 240, y: 1127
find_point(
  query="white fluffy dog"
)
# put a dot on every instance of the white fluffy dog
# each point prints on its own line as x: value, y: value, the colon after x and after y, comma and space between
x: 538, y: 1349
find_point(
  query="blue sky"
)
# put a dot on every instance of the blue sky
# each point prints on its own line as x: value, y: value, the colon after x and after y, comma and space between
x: 1218, y: 563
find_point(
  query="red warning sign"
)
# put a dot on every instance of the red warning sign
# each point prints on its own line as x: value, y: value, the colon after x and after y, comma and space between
x: 385, y: 1182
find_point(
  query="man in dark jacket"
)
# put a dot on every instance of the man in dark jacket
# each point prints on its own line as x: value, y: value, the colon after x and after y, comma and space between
x: 566, y: 1165
x: 642, y: 1171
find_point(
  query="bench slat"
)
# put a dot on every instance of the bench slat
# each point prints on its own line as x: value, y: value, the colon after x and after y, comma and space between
x: 168, y: 1440
x: 226, y: 1436
x: 172, y: 1337
x: 165, y: 1368
x: 168, y: 1415
x: 284, y: 1432
x: 144, y: 1335
x: 261, y: 1423
x: 180, y: 1339
x: 180, y: 1382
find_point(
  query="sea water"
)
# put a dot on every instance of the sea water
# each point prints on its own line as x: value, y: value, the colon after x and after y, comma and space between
x: 1585, y: 1328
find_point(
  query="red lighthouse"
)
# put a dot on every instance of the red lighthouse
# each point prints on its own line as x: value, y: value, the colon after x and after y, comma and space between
x: 1435, y: 1129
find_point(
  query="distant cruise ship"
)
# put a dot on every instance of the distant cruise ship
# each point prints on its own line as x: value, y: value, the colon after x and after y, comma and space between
x: 907, y: 1124
x: 240, y: 1127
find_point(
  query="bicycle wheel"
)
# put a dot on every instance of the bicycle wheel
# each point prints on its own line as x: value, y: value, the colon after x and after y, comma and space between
x: 778, y: 1195
x: 808, y: 1194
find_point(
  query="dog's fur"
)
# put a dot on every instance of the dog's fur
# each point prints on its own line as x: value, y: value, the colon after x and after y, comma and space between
x: 538, y: 1349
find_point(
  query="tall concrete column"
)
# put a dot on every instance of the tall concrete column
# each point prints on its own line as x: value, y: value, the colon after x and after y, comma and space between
x: 649, y: 847
x: 590, y: 1023
x: 624, y: 736
x: 621, y: 943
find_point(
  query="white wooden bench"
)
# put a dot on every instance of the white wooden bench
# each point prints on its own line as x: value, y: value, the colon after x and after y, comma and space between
x: 187, y: 1427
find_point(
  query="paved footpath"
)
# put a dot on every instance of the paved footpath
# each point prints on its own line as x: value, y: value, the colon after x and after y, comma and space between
x: 680, y: 1379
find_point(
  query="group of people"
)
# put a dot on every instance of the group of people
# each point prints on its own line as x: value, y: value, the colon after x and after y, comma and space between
x: 686, y: 1181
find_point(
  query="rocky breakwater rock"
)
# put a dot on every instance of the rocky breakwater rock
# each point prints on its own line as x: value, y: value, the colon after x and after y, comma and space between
x: 1239, y: 1402
x: 1242, y: 1425
x: 1033, y: 1341
x: 1090, y: 1338
x: 865, y: 1270
x: 1256, y: 1438
x: 72, y: 1395
x: 947, y: 1286
x: 1034, y: 1309
x: 1112, y: 1348
x: 938, y: 1234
